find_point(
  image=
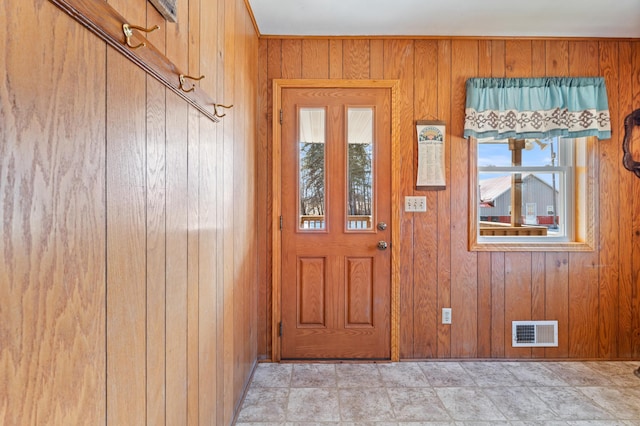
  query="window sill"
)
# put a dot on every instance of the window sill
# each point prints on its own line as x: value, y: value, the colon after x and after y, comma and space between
x: 507, y: 246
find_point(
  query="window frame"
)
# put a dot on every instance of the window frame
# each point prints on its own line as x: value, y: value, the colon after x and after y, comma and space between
x: 581, y: 234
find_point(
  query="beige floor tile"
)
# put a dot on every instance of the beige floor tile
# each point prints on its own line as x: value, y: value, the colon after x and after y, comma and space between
x: 402, y: 374
x: 313, y: 405
x: 468, y: 404
x: 365, y: 404
x: 444, y: 393
x: 417, y: 404
x: 313, y: 376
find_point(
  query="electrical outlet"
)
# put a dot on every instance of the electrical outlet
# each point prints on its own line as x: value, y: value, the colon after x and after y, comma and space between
x: 446, y: 315
x: 415, y: 204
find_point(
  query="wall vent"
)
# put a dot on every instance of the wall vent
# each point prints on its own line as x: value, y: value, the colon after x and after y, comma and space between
x: 534, y: 333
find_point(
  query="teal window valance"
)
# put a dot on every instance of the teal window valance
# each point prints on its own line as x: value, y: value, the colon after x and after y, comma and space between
x: 540, y: 108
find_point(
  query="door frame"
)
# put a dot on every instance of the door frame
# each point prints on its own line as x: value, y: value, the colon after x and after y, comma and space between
x: 276, y: 251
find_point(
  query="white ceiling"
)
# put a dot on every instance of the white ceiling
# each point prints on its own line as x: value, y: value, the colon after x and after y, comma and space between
x: 491, y: 18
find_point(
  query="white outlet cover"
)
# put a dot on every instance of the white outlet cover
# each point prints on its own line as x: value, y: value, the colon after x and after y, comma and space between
x: 446, y: 315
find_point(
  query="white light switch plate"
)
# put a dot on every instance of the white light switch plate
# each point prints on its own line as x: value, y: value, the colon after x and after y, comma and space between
x: 415, y: 204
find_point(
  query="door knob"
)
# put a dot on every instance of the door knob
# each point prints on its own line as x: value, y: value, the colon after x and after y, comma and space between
x: 382, y: 245
x: 382, y: 226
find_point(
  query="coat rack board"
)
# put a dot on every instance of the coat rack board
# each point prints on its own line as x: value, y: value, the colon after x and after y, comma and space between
x: 110, y: 26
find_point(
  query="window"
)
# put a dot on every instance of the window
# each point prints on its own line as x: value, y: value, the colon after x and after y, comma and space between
x: 311, y: 176
x: 532, y: 194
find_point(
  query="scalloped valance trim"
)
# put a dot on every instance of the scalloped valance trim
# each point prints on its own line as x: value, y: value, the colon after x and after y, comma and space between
x: 537, y: 108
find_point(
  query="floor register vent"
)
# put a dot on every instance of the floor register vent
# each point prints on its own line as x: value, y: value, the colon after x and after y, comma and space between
x: 534, y: 333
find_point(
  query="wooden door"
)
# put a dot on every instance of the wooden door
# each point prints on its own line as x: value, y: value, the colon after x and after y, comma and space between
x: 336, y: 214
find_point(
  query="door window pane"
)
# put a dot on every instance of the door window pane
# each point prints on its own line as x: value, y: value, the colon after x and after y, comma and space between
x: 359, y: 168
x: 311, y: 177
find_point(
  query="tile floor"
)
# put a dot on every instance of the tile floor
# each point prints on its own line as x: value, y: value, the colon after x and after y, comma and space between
x: 444, y: 393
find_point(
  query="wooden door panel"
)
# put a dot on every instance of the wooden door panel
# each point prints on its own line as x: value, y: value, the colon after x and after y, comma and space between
x: 335, y: 282
x: 312, y: 292
x: 359, y: 294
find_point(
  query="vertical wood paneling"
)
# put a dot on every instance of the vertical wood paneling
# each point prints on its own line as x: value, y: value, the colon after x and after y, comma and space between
x: 538, y: 58
x: 193, y: 264
x: 488, y: 291
x: 52, y: 243
x: 355, y: 54
x: 208, y: 275
x: 557, y: 290
x: 399, y: 65
x: 335, y: 58
x: 609, y: 203
x: 635, y: 230
x: 223, y: 350
x: 315, y: 57
x: 498, y: 336
x: 208, y: 284
x: 557, y: 58
x: 221, y: 333
x: 226, y: 187
x: 251, y: 112
x: 126, y: 242
x: 156, y: 251
x: 291, y: 58
x: 376, y: 58
x: 517, y: 58
x: 178, y: 48
x: 263, y: 200
x: 538, y: 295
x: 425, y: 225
x: 124, y: 231
x: 241, y: 192
x: 177, y: 220
x: 464, y: 270
x: 156, y: 232
x: 484, y: 305
x: 444, y: 200
x: 626, y: 179
x: 583, y: 269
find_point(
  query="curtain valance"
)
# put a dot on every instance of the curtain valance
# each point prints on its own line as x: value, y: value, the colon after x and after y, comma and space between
x: 537, y: 108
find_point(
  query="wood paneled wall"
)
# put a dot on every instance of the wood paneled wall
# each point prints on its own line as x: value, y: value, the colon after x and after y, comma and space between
x: 128, y: 254
x: 595, y: 296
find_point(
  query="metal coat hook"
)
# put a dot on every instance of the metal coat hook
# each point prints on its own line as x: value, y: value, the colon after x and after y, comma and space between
x: 128, y: 33
x: 215, y: 109
x: 182, y: 82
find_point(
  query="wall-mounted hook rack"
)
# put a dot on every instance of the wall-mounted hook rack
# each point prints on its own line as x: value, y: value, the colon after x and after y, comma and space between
x: 104, y: 21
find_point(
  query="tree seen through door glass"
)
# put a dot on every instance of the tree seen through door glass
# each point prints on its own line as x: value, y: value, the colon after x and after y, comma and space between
x: 311, y: 175
x: 359, y: 168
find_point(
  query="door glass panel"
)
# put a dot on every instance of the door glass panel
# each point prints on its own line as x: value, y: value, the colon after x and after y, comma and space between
x: 311, y: 176
x: 359, y: 168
